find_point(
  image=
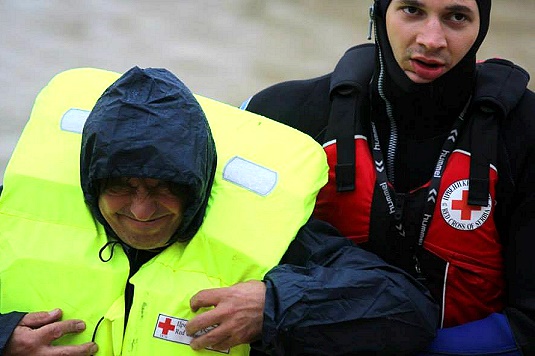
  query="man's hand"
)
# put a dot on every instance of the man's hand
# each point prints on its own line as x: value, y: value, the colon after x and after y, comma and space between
x: 36, y: 331
x: 238, y: 314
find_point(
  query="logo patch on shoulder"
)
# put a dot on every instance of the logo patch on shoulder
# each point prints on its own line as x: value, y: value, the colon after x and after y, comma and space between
x: 456, y: 211
x: 174, y: 329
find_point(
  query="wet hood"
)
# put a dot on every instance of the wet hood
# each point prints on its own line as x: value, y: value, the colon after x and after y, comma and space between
x: 148, y: 124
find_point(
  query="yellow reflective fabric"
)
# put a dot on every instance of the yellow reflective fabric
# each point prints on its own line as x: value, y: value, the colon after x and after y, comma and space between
x: 266, y: 182
x: 49, y: 242
x: 265, y: 224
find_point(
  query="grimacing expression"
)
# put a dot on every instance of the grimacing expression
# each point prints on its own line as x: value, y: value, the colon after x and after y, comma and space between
x: 143, y: 212
x: 429, y: 37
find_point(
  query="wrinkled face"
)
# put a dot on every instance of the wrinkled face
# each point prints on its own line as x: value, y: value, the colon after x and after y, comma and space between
x: 429, y: 37
x: 143, y: 212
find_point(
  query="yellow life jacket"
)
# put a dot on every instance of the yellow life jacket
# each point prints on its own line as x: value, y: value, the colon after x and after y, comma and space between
x: 266, y: 182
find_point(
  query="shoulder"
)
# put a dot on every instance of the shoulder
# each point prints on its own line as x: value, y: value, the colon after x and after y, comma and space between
x: 301, y: 104
x: 517, y: 134
x: 525, y: 109
x: 305, y: 104
x: 503, y: 85
x: 518, y: 131
x: 520, y: 122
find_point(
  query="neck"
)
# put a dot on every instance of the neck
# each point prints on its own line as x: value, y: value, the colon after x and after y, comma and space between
x: 423, y: 110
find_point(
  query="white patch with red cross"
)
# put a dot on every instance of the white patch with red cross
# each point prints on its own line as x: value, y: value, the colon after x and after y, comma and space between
x: 456, y: 211
x: 174, y: 329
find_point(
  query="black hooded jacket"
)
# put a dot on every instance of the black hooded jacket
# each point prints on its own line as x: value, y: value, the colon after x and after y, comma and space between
x: 148, y: 124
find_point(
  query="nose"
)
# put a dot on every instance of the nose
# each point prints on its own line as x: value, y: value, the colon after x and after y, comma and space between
x: 143, y: 205
x: 432, y: 35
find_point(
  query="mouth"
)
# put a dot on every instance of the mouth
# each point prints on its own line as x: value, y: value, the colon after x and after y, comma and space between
x: 430, y: 65
x: 145, y: 224
x: 426, y: 69
x: 426, y: 62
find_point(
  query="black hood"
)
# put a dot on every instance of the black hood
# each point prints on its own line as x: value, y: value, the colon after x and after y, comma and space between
x: 443, y: 93
x: 148, y: 124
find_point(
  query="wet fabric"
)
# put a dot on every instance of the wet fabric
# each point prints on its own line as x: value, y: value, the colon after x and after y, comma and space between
x: 148, y: 124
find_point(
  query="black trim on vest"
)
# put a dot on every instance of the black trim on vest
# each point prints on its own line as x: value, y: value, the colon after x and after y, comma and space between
x: 349, y: 89
x: 499, y: 86
x: 344, y: 104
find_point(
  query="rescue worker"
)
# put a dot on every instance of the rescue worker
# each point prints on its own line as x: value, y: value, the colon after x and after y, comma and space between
x: 431, y: 168
x: 147, y: 169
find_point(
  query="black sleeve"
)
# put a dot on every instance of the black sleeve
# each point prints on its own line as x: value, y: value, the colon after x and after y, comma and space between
x: 330, y: 297
x: 8, y: 322
x: 517, y: 222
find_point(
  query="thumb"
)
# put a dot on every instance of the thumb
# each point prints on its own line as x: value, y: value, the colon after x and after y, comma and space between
x: 206, y: 298
x: 38, y: 319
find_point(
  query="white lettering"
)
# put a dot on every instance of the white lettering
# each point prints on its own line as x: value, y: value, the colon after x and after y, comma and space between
x: 440, y: 163
x: 389, y: 201
x: 423, y: 228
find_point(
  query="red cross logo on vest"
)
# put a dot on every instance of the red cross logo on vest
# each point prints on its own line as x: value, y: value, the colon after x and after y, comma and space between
x: 455, y: 209
x: 166, y: 326
x: 462, y: 205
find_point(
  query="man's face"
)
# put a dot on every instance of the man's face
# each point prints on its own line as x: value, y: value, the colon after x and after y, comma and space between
x: 429, y: 37
x: 143, y: 212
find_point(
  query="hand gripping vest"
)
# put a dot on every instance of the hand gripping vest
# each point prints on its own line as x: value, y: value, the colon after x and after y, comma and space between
x: 49, y: 241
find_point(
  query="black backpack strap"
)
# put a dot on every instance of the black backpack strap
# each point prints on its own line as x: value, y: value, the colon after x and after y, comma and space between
x: 484, y: 139
x: 349, y: 88
x: 499, y: 86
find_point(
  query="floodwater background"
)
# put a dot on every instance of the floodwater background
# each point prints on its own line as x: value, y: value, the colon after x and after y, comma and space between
x: 223, y: 49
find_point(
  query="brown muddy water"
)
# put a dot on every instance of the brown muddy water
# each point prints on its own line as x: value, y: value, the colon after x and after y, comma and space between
x: 226, y: 50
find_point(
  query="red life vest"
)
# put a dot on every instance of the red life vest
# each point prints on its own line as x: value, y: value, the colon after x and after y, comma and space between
x: 463, y: 236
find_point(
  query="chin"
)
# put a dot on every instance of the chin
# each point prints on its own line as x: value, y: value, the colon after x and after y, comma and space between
x: 416, y: 79
x: 146, y: 245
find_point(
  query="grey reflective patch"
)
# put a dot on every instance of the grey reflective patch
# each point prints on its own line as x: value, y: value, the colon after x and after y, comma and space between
x: 250, y: 176
x: 73, y: 120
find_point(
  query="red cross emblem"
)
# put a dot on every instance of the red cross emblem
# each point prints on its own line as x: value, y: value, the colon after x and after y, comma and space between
x: 462, y: 205
x: 166, y: 326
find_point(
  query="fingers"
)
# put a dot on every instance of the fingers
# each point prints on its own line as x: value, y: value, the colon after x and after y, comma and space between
x: 38, y: 319
x: 217, y: 339
x: 86, y: 349
x: 206, y: 298
x: 238, y: 313
x: 55, y: 330
x: 203, y: 321
x: 27, y: 341
x: 48, y: 328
